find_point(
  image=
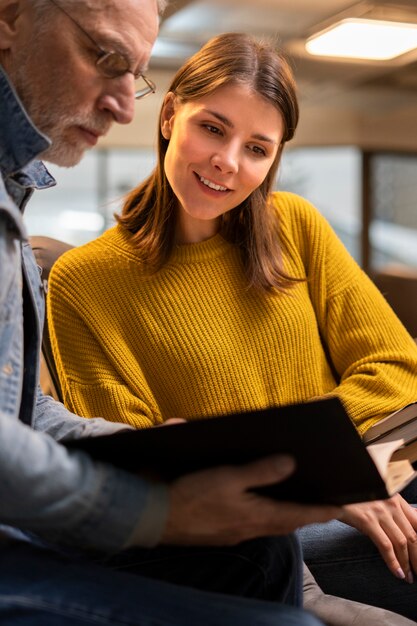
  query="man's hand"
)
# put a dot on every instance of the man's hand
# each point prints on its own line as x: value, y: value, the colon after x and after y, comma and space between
x: 391, y: 525
x: 216, y: 506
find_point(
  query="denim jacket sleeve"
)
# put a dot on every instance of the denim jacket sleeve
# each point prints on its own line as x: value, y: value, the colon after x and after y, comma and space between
x: 63, y: 496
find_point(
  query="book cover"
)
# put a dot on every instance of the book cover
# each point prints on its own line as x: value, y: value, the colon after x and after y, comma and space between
x: 401, y: 424
x: 333, y: 464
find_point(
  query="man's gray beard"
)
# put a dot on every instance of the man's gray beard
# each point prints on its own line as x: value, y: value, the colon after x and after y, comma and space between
x: 65, y: 155
x: 60, y: 152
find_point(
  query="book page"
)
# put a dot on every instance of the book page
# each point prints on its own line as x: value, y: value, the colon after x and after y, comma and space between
x: 396, y: 474
x: 381, y: 454
x: 400, y: 473
x: 409, y: 452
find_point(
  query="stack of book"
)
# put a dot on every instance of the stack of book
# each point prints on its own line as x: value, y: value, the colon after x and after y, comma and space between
x: 401, y: 425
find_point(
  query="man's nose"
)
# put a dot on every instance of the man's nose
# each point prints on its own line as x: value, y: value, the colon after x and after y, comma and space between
x: 118, y: 98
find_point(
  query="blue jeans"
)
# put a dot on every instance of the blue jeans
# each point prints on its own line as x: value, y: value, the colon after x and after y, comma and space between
x: 266, y: 569
x: 346, y: 563
x: 42, y: 587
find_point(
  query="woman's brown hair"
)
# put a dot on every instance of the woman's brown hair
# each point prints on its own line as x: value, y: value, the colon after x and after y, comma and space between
x: 149, y: 212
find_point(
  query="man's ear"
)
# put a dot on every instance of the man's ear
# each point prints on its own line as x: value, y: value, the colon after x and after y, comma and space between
x: 9, y: 12
x: 167, y: 114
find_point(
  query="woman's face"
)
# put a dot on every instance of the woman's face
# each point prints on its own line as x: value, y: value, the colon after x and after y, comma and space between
x: 221, y: 148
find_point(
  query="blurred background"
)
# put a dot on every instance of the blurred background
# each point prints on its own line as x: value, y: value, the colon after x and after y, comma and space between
x: 355, y: 152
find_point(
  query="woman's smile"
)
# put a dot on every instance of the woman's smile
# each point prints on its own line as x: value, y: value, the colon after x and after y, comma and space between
x: 211, y: 186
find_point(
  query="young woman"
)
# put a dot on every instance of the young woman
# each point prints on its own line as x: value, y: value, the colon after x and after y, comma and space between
x: 213, y: 294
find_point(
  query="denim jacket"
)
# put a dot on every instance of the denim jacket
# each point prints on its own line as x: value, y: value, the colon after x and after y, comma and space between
x: 63, y: 496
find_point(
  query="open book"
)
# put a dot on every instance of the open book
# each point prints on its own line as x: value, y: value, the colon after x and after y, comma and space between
x: 399, y: 425
x: 333, y: 464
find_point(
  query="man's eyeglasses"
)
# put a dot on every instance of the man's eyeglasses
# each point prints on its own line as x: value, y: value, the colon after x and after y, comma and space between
x: 112, y: 64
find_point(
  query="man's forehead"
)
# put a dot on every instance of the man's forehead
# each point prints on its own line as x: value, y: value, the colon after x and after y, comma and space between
x: 108, y: 7
x: 105, y: 5
x: 93, y: 5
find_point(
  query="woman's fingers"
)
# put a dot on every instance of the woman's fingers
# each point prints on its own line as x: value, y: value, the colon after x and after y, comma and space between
x: 408, y: 523
x: 391, y: 525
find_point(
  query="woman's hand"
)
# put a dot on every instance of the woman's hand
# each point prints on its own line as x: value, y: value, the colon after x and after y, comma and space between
x: 391, y: 525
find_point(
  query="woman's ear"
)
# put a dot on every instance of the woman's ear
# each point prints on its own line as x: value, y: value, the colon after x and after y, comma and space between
x: 167, y: 115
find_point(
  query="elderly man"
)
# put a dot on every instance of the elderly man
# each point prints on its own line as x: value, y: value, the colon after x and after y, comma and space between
x: 69, y: 69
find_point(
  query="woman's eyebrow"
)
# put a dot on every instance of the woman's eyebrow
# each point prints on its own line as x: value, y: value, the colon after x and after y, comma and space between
x: 220, y: 117
x: 227, y: 122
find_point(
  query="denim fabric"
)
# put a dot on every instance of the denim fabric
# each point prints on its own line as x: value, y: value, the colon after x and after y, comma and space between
x: 345, y: 563
x: 44, y: 488
x: 39, y: 587
x: 268, y: 568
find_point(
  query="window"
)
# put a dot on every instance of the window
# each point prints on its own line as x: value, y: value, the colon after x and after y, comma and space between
x: 393, y: 229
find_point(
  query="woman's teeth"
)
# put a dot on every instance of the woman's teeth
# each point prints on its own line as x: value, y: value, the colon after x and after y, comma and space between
x: 208, y: 183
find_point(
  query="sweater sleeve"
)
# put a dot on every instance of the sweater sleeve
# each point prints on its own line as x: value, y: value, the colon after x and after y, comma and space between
x: 372, y: 354
x: 91, y: 378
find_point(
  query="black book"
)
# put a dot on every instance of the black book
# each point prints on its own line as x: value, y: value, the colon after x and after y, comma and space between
x: 333, y: 464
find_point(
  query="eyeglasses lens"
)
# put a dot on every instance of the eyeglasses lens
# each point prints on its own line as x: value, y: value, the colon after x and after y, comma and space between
x: 113, y: 64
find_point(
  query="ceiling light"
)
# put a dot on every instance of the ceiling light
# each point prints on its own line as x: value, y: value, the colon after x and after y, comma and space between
x: 364, y: 39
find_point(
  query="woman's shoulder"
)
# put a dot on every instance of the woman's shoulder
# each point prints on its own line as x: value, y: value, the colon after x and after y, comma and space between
x: 97, y: 251
x: 290, y: 206
x: 297, y: 215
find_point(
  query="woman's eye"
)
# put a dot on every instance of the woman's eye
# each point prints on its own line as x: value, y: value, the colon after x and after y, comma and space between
x: 258, y: 150
x: 212, y: 129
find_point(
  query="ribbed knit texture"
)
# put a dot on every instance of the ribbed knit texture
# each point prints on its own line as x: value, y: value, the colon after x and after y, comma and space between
x: 192, y: 340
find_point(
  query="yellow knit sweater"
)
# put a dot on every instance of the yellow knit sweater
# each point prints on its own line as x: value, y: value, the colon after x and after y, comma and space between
x: 192, y: 340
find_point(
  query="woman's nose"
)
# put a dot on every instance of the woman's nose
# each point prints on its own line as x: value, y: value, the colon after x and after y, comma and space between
x: 226, y: 160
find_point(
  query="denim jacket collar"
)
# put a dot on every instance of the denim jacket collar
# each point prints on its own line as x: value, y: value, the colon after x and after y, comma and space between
x: 20, y: 141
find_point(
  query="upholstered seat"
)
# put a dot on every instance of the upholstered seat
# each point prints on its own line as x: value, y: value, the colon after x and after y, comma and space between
x: 398, y: 283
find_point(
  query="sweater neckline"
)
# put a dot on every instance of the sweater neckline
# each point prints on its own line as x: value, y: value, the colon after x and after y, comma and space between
x: 185, y: 253
x: 201, y: 251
